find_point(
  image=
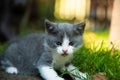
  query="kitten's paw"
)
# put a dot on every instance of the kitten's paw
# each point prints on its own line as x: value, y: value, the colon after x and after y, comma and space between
x: 56, y: 78
x: 59, y: 78
x: 12, y: 70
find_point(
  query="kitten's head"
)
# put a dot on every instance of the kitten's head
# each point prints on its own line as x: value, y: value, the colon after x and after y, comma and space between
x: 64, y: 38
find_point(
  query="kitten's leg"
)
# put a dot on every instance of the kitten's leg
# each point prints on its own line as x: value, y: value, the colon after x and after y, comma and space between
x: 8, y: 67
x: 11, y: 70
x: 48, y: 73
x: 76, y: 73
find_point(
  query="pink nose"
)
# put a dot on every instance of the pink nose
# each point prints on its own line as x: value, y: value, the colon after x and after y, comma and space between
x: 64, y: 51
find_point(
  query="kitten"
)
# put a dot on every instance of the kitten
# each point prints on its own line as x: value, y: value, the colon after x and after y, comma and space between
x: 45, y: 52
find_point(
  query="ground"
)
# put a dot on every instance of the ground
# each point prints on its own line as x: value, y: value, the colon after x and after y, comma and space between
x: 6, y: 76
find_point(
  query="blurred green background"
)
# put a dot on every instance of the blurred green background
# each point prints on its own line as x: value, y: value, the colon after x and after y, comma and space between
x: 97, y: 14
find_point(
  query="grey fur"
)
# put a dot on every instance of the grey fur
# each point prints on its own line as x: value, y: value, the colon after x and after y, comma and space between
x: 33, y: 50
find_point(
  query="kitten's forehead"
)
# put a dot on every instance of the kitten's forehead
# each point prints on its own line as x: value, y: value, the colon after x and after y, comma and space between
x: 65, y: 26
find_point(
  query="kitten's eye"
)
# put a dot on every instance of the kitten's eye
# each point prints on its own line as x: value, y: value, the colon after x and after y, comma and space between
x: 58, y: 43
x: 71, y: 43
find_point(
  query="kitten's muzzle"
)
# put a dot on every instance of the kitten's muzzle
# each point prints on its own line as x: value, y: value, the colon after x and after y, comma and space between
x: 64, y: 53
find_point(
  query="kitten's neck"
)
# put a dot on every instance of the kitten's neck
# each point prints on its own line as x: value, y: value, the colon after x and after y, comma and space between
x: 60, y: 61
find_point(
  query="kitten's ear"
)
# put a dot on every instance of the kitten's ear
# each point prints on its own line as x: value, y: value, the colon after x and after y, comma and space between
x: 49, y: 26
x: 79, y: 28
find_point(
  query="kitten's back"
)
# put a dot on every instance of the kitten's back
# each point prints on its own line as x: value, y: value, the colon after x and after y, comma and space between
x: 27, y: 50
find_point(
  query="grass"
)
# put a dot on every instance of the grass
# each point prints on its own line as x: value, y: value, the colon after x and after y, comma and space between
x: 98, y: 55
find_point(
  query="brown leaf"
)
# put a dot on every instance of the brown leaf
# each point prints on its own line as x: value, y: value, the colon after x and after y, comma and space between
x: 100, y: 76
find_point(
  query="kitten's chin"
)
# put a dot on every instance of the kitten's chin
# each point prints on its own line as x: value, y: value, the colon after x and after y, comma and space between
x: 64, y: 55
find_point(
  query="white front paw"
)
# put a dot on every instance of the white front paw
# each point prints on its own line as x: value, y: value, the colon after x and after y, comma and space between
x: 55, y: 78
x: 59, y: 78
x: 12, y: 70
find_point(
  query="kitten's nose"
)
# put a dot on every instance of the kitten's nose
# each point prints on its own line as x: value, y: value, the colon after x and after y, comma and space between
x: 64, y: 51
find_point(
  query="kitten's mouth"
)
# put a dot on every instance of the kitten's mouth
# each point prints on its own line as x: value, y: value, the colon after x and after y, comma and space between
x: 64, y: 54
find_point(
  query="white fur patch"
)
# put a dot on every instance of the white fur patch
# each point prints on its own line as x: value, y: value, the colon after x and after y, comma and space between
x: 12, y: 70
x: 65, y: 47
x: 48, y: 73
x: 60, y: 61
